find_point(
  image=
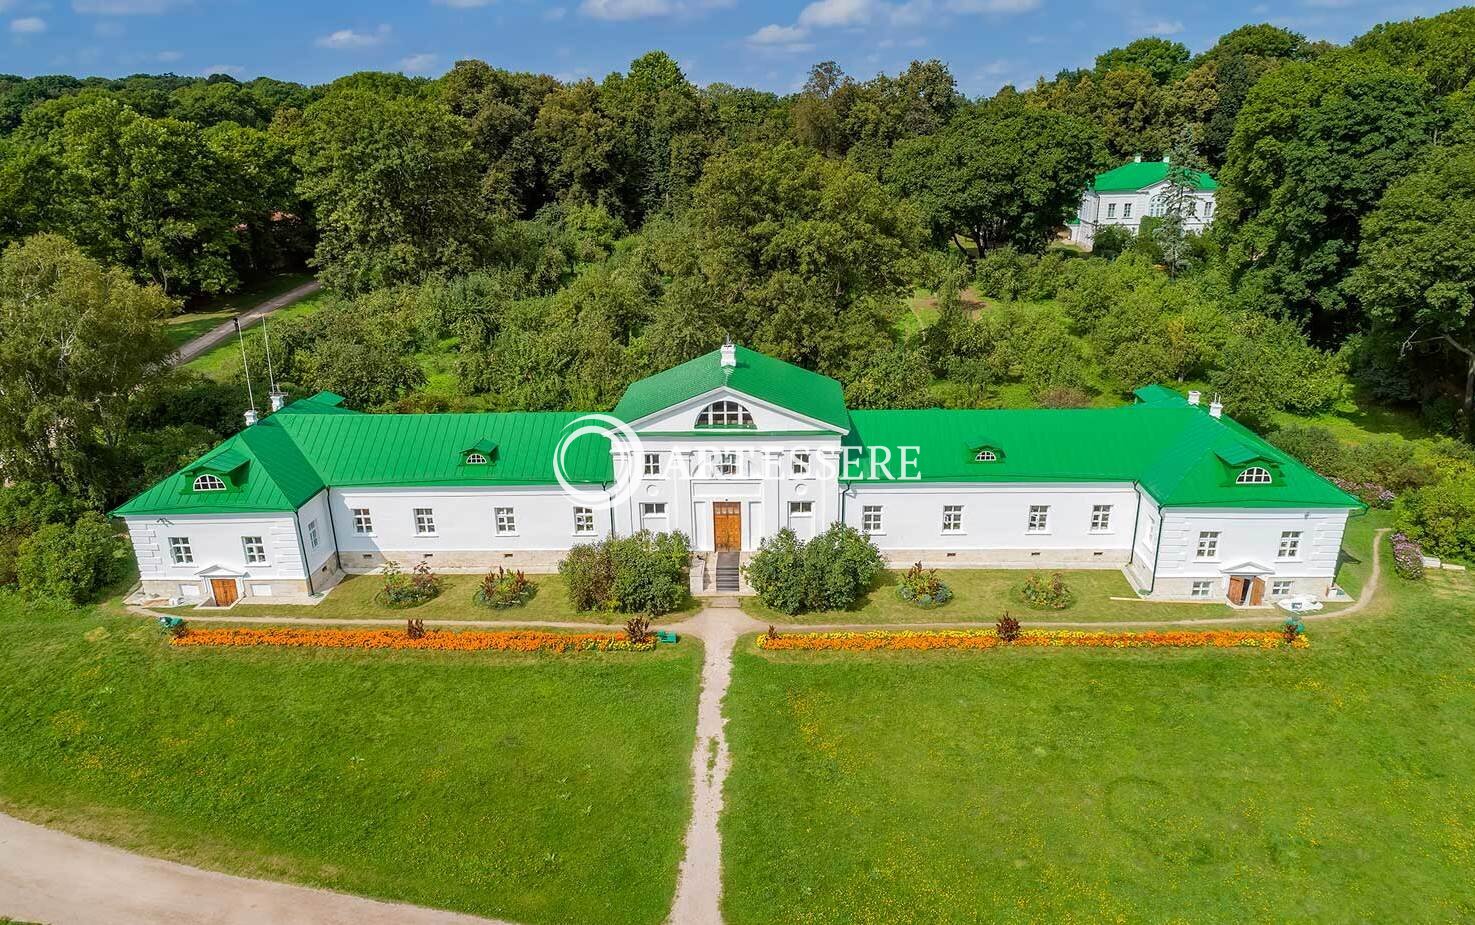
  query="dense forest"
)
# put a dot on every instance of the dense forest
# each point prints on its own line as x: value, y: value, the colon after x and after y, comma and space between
x: 498, y: 240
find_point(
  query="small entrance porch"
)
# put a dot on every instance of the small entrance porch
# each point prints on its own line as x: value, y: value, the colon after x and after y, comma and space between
x: 727, y: 533
x: 1246, y: 584
x: 222, y: 586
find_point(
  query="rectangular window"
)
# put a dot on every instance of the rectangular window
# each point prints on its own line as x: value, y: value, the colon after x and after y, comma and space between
x: 363, y: 524
x: 584, y: 521
x: 652, y: 464
x: 1126, y: 210
x: 1100, y: 518
x: 179, y: 550
x: 1290, y: 544
x: 312, y: 533
x: 506, y: 521
x: 952, y: 518
x: 255, y: 550
x: 424, y: 521
x: 801, y: 508
x: 1111, y: 210
x: 870, y: 518
x: 1208, y: 544
x: 1039, y: 518
x: 727, y: 464
x: 652, y: 510
x: 1208, y: 210
x: 1202, y: 589
x: 800, y: 464
x: 1280, y: 587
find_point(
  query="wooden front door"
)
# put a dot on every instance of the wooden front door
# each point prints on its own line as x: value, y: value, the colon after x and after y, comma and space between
x: 1239, y: 588
x: 727, y: 525
x: 223, y: 590
x: 1257, y: 591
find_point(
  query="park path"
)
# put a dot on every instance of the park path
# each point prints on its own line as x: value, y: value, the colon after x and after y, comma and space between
x: 215, y: 336
x: 56, y: 878
x: 60, y: 879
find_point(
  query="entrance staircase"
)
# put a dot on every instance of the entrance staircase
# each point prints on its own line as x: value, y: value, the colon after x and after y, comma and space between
x: 727, y: 572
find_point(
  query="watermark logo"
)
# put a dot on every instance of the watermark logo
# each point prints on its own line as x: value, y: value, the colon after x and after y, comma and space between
x: 617, y: 433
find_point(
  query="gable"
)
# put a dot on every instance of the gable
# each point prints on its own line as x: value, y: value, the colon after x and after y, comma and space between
x: 767, y: 417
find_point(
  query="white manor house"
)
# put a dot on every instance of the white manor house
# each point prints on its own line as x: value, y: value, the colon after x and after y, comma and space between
x: 730, y: 448
x: 1127, y: 194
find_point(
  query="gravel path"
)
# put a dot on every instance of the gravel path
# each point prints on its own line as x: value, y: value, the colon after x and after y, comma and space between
x: 192, y: 348
x: 50, y: 876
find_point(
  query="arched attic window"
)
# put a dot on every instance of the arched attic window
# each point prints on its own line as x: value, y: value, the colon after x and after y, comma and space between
x: 725, y: 414
x: 1254, y: 475
x: 986, y: 456
x: 209, y: 482
x: 475, y: 459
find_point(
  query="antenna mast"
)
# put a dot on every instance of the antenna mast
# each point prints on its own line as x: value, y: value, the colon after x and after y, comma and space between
x: 245, y: 365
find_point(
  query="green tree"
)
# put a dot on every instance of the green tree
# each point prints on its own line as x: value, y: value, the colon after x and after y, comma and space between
x: 77, y: 343
x: 394, y: 187
x: 999, y: 175
x: 72, y: 563
x: 1416, y: 275
x: 1164, y: 59
x: 1267, y: 365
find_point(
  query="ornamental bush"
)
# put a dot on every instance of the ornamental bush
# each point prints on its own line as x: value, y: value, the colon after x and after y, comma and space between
x: 642, y: 573
x: 70, y: 562
x: 408, y: 590
x: 921, y: 587
x: 502, y: 589
x: 1440, y: 518
x: 1408, y: 558
x: 1044, y: 593
x: 830, y: 572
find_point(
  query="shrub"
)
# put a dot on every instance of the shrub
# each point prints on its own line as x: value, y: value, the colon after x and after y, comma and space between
x: 1408, y: 558
x: 1044, y: 593
x: 1111, y: 241
x: 502, y: 589
x: 642, y: 573
x: 922, y: 588
x: 70, y: 562
x: 637, y: 630
x: 1292, y: 629
x: 412, y: 590
x: 1007, y: 628
x: 1064, y: 396
x: 830, y: 572
x: 1440, y: 518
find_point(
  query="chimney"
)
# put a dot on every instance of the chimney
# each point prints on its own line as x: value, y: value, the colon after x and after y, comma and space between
x: 278, y: 399
x: 1194, y: 396
x: 1216, y: 408
x: 729, y: 355
x: 250, y: 416
x: 1167, y: 159
x: 1137, y: 159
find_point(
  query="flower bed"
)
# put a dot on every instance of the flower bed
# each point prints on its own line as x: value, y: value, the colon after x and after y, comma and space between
x: 889, y: 640
x: 461, y: 641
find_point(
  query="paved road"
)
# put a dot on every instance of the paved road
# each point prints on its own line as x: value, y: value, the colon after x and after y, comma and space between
x: 49, y: 876
x: 212, y: 338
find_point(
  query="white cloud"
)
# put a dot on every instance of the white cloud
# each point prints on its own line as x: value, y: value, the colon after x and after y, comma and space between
x: 123, y: 7
x: 993, y: 6
x: 28, y: 25
x: 838, y: 12
x: 167, y: 57
x: 626, y: 9
x: 1162, y: 27
x: 415, y: 64
x: 234, y: 70
x: 348, y: 38
x: 774, y: 34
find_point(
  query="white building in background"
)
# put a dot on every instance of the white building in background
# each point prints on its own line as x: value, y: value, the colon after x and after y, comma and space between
x: 1124, y: 196
x: 729, y: 449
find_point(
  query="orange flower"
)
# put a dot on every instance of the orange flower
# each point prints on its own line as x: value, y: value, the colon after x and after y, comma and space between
x: 913, y: 640
x: 459, y: 641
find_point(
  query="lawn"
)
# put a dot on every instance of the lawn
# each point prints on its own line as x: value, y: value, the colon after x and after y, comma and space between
x: 206, y: 315
x: 541, y: 788
x: 224, y: 362
x: 1332, y: 784
x: 353, y: 599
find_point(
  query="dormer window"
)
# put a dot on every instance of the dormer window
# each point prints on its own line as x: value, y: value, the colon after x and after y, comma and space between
x: 725, y: 414
x: 1254, y: 475
x: 475, y: 459
x: 986, y: 456
x: 209, y: 483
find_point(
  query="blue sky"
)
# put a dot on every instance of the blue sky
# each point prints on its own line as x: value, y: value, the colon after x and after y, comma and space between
x: 764, y: 44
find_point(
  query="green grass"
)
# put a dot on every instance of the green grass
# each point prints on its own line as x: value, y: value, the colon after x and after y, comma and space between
x: 224, y: 362
x: 1331, y: 784
x: 353, y: 599
x: 207, y: 315
x: 540, y: 788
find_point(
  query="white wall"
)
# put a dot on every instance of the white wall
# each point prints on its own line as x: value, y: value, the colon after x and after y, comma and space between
x: 316, y: 511
x: 766, y: 417
x: 1250, y: 535
x: 996, y: 516
x: 1100, y: 209
x: 215, y: 540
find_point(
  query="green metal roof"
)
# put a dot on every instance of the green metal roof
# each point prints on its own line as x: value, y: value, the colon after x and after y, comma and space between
x: 774, y: 381
x: 293, y: 454
x: 1142, y: 174
x: 1175, y: 451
